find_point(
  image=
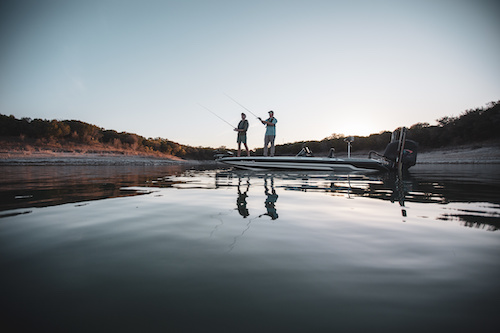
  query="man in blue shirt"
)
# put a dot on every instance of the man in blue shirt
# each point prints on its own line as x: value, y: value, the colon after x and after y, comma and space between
x: 270, y: 132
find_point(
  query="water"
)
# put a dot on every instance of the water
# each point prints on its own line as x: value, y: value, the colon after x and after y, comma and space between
x: 174, y: 249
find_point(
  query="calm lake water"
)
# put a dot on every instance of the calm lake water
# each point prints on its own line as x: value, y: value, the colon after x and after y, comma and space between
x: 180, y: 249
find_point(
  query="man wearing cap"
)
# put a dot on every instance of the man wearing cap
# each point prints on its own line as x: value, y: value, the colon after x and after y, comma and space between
x: 270, y: 132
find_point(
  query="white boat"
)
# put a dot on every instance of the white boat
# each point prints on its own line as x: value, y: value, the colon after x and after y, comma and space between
x: 396, y: 156
x: 306, y: 163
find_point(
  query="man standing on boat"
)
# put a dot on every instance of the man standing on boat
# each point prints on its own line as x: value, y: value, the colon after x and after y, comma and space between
x: 242, y: 134
x: 270, y: 132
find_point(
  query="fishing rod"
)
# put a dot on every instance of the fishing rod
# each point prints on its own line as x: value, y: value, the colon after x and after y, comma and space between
x: 216, y: 115
x: 242, y: 106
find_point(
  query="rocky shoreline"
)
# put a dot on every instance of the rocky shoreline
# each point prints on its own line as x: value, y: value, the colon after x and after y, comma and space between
x: 461, y: 155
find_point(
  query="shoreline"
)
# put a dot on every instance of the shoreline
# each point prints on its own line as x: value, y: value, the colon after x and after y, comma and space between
x: 461, y: 155
x: 47, y: 157
x: 470, y: 154
x: 466, y: 154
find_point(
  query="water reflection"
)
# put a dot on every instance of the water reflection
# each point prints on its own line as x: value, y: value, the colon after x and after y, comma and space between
x: 241, y: 202
x: 271, y: 198
x: 48, y: 185
x: 244, y: 183
x: 472, y: 190
x: 396, y: 188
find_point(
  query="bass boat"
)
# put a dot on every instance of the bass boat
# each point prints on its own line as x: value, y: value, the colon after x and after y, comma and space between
x: 401, y: 154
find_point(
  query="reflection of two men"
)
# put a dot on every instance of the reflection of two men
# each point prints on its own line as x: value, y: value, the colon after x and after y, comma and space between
x: 271, y: 198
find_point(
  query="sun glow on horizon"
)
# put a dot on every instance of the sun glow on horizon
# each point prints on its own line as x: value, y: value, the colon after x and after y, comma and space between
x: 349, y: 127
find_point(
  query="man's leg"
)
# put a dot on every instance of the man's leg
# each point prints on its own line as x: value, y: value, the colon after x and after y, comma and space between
x: 272, y: 145
x: 266, y: 143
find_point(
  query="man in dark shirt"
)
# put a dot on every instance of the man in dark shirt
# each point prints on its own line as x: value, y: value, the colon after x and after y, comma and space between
x: 242, y: 134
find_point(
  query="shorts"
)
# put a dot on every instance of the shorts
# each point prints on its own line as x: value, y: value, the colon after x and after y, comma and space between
x: 241, y: 138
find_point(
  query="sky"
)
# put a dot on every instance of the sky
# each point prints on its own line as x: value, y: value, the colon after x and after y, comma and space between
x: 323, y: 66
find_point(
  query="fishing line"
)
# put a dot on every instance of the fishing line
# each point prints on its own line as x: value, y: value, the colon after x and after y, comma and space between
x: 216, y: 115
x: 242, y: 106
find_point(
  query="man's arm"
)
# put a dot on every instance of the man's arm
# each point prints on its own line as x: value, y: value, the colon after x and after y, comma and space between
x: 269, y: 123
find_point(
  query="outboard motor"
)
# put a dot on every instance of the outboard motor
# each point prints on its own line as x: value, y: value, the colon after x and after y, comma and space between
x: 399, y: 154
x: 409, y: 157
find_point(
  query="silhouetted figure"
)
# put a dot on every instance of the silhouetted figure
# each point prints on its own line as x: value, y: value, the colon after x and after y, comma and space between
x: 271, y: 199
x: 242, y: 134
x: 270, y: 132
x: 241, y: 201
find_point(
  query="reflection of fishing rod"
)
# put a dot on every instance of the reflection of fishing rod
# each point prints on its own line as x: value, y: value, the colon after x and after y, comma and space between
x: 216, y: 115
x: 242, y: 106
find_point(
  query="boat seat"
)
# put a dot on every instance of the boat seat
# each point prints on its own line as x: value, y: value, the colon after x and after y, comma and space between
x: 305, y: 151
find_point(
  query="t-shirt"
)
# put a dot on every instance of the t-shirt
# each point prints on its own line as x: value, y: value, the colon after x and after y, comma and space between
x: 243, y: 124
x: 271, y: 130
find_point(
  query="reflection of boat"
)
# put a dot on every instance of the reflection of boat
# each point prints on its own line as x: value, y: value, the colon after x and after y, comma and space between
x: 390, y: 186
x: 396, y: 156
x: 401, y: 188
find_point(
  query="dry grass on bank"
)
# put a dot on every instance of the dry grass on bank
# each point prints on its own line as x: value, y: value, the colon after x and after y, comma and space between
x: 33, y: 149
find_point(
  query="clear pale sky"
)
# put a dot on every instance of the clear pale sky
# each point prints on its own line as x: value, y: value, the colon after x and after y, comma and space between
x: 349, y: 67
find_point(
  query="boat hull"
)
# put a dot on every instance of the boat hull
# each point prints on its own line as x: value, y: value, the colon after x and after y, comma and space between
x: 306, y: 163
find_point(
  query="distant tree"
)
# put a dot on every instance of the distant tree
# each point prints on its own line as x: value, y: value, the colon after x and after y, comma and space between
x: 109, y: 136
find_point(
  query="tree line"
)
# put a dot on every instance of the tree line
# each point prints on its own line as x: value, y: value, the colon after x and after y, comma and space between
x: 472, y: 126
x: 76, y: 132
